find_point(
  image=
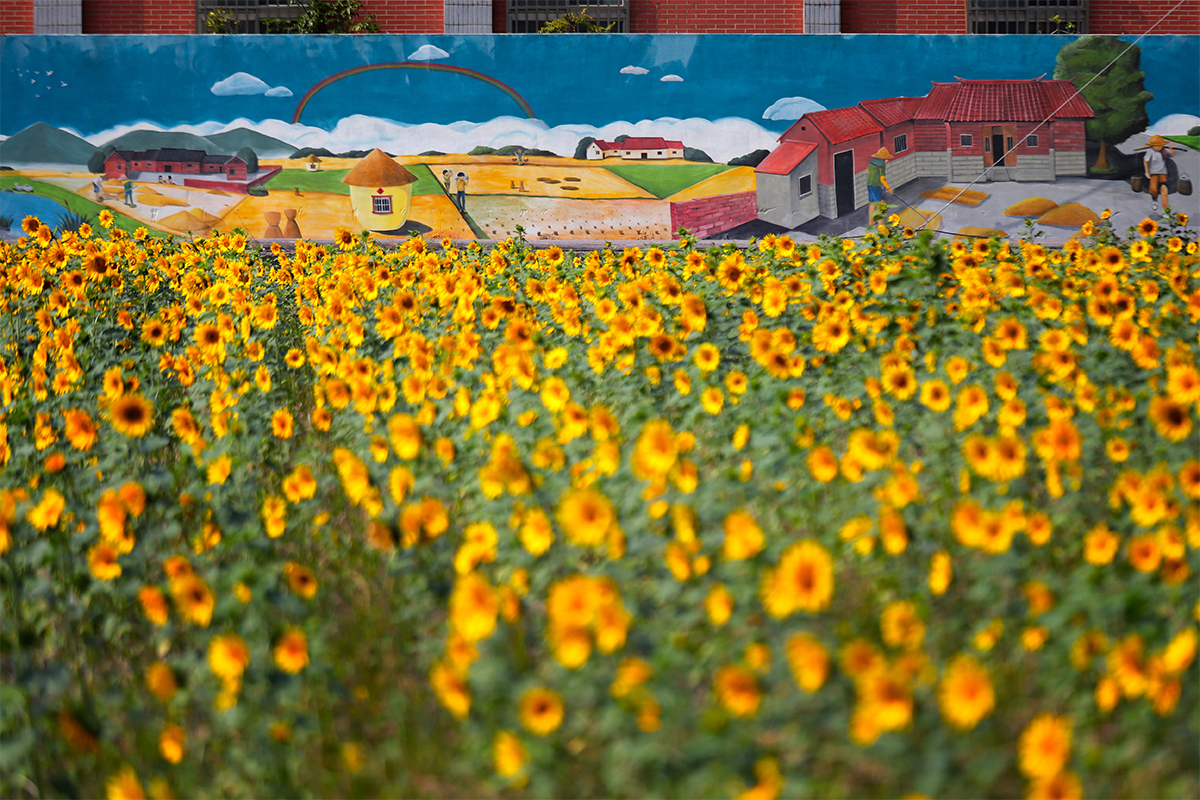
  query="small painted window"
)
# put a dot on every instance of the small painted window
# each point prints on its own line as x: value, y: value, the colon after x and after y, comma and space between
x: 805, y: 185
x: 900, y: 143
x: 1031, y: 140
x: 382, y: 205
x: 987, y: 145
x: 965, y: 140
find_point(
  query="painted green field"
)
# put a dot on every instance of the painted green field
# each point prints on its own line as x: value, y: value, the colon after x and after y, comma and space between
x: 330, y: 181
x: 1187, y: 141
x: 664, y: 180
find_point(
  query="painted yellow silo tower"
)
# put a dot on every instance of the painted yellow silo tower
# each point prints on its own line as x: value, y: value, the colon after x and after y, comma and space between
x: 380, y: 192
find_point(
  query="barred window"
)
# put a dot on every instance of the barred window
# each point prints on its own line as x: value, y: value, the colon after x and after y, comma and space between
x: 900, y: 144
x: 381, y: 205
x: 1027, y: 16
x: 528, y: 16
x: 805, y: 185
x: 245, y: 16
x: 965, y: 140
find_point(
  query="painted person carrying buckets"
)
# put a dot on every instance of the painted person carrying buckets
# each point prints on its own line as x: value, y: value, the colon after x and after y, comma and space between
x: 877, y: 179
x: 1155, y: 164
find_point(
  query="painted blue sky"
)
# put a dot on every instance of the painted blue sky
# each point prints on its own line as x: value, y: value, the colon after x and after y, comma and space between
x: 96, y: 83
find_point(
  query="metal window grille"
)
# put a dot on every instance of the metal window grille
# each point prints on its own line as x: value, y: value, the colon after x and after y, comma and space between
x: 528, y: 16
x: 1027, y: 16
x: 57, y: 16
x: 822, y: 16
x: 248, y: 16
x: 468, y: 16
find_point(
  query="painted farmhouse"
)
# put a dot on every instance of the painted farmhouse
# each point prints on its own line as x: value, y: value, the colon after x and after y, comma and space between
x: 122, y: 164
x: 1005, y: 130
x: 636, y: 148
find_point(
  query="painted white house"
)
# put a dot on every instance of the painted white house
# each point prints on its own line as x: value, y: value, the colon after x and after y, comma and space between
x: 636, y: 148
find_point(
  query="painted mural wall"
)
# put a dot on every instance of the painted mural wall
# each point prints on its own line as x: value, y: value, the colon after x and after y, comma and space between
x: 592, y: 136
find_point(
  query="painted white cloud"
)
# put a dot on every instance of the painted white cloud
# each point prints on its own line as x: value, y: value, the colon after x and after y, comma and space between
x: 240, y: 83
x: 632, y: 70
x: 789, y: 108
x: 245, y: 83
x: 722, y: 139
x: 671, y: 79
x: 428, y: 52
x: 1174, y: 125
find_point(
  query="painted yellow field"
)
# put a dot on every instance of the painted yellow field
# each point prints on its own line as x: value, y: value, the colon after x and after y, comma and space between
x: 320, y: 214
x: 578, y: 180
x: 734, y: 181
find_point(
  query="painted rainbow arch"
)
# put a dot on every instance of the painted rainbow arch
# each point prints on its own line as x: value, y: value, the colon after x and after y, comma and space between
x: 470, y: 73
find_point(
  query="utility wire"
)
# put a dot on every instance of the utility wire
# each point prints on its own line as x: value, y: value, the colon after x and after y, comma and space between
x: 1078, y: 93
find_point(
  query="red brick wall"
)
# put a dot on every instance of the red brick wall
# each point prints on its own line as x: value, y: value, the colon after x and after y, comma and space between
x: 1068, y: 134
x: 16, y: 16
x: 950, y: 16
x: 407, y: 16
x: 929, y: 135
x: 716, y: 16
x: 711, y: 215
x: 1136, y: 16
x: 904, y: 16
x: 139, y: 16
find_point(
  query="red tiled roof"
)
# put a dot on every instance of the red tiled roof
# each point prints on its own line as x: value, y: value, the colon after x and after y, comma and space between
x: 893, y: 110
x: 843, y: 124
x: 1018, y: 101
x: 641, y: 143
x: 785, y: 158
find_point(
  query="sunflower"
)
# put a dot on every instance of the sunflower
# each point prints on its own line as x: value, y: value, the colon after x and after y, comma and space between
x: 193, y: 599
x: 887, y: 698
x: 1170, y: 418
x: 450, y: 688
x: 102, y: 561
x: 228, y: 656
x: 965, y: 693
x: 743, y: 536
x: 154, y: 604
x: 586, y: 516
x: 809, y: 661
x: 171, y: 743
x: 508, y: 754
x: 132, y: 415
x: 737, y: 690
x: 656, y: 450
x: 80, y: 430
x: 1147, y: 227
x: 300, y: 580
x: 282, y: 423
x: 291, y: 651
x: 124, y: 785
x: 935, y: 395
x: 1044, y: 746
x: 541, y: 711
x: 803, y: 581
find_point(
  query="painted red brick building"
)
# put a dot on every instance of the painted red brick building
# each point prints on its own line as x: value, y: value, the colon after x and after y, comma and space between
x: 122, y: 164
x: 638, y: 16
x: 1002, y: 130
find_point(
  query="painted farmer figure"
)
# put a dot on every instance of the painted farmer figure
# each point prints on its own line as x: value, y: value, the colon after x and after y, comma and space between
x: 128, y: 192
x: 460, y: 184
x: 520, y: 156
x: 1155, y: 164
x: 446, y: 180
x: 877, y: 180
x: 96, y: 187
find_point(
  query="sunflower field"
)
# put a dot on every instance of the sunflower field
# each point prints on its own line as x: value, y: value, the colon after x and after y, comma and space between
x: 876, y: 517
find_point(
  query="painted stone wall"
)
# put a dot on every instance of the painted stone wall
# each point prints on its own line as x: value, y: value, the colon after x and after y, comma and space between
x: 491, y: 133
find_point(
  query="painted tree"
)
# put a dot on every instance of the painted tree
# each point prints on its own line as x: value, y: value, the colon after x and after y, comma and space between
x: 1117, y: 94
x: 250, y: 157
